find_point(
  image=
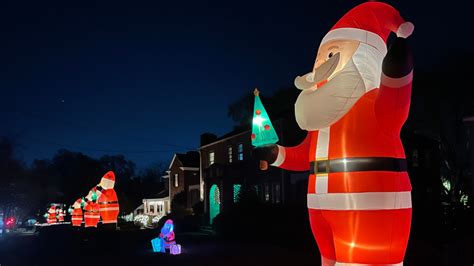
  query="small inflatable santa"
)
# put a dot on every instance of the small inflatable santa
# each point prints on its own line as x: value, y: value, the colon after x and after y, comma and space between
x: 91, y: 210
x: 60, y: 214
x: 52, y: 218
x: 353, y: 105
x: 76, y: 215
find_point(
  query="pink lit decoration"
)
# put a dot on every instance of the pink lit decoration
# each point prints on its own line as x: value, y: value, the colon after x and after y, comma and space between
x: 167, y: 236
x: 175, y: 249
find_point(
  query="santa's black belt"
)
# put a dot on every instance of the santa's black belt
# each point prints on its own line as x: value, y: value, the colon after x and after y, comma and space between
x: 108, y: 202
x: 360, y: 164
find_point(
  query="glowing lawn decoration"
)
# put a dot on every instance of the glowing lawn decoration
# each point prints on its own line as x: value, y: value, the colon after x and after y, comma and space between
x: 166, y: 240
x: 262, y: 129
x: 263, y: 132
x: 107, y: 199
x: 157, y: 244
x: 175, y: 249
x: 353, y: 103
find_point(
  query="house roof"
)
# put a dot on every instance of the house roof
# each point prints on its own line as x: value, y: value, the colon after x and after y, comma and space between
x: 189, y: 159
x: 228, y: 135
x: 162, y: 194
x: 247, y: 128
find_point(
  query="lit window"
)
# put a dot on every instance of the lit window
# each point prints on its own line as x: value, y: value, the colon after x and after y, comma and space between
x: 267, y: 192
x: 240, y: 152
x: 237, y: 188
x: 229, y: 153
x: 211, y: 157
x: 176, y: 180
x: 276, y: 195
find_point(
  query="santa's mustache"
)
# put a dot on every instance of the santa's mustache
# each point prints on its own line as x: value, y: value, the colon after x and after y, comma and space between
x: 320, y: 74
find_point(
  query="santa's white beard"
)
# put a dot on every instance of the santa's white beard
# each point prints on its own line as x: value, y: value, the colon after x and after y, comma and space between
x: 322, y: 107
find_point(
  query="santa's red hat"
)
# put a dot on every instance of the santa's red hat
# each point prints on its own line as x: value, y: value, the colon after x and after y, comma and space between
x: 370, y: 23
x: 108, y: 180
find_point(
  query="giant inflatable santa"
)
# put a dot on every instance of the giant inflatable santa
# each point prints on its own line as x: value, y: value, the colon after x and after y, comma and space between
x: 353, y: 104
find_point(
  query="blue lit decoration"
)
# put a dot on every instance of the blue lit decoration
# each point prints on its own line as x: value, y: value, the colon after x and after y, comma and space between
x: 214, y: 202
x: 166, y: 240
x: 157, y: 244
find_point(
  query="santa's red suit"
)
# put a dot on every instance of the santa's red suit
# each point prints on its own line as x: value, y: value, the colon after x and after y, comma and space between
x: 76, y: 216
x: 109, y: 206
x: 52, y: 215
x: 359, y: 196
x: 107, y: 199
x: 91, y: 214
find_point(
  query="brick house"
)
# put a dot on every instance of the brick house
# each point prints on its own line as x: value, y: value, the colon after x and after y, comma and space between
x: 183, y: 175
x: 227, y: 164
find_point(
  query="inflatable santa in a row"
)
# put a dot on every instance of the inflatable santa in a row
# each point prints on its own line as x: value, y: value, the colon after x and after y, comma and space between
x: 100, y: 203
x: 353, y: 104
x: 55, y: 214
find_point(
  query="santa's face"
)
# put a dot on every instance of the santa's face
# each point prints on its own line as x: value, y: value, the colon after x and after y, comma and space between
x: 343, y: 71
x: 106, y: 183
x: 332, y: 57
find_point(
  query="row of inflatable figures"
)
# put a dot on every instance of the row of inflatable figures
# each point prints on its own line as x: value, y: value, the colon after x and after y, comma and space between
x: 55, y: 214
x: 100, y: 204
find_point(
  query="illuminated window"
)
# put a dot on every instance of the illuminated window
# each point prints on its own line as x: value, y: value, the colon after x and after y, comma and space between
x: 276, y: 194
x: 267, y: 192
x: 237, y: 188
x: 176, y: 180
x: 211, y: 158
x: 240, y: 152
x: 229, y: 154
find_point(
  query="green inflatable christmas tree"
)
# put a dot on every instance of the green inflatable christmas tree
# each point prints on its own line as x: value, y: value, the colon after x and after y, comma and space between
x: 262, y: 129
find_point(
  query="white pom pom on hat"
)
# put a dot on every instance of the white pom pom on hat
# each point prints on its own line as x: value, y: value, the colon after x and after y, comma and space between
x: 405, y: 29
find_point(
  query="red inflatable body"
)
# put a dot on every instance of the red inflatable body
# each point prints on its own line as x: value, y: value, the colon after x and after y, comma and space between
x: 91, y: 214
x: 61, y: 216
x: 108, y: 206
x: 359, y: 197
x: 52, y: 215
x: 76, y: 216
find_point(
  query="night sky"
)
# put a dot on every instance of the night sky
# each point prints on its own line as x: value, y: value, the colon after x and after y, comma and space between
x: 146, y: 79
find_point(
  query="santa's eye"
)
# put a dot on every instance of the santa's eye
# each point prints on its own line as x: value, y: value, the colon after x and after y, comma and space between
x: 330, y: 55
